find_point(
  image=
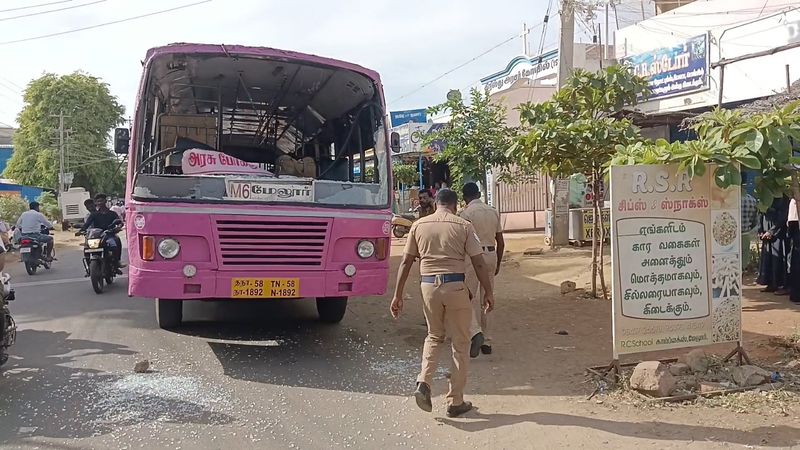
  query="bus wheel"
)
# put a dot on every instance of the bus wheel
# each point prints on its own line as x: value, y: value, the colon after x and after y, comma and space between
x: 331, y: 309
x: 169, y: 313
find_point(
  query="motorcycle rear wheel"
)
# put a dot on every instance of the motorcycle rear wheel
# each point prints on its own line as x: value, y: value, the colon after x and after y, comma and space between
x: 31, y: 268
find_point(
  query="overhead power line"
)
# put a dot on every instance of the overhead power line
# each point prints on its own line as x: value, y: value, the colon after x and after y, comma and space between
x: 39, y: 13
x: 495, y: 47
x: 34, y: 6
x: 99, y: 25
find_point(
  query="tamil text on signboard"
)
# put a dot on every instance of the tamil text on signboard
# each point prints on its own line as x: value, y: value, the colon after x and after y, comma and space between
x: 675, y: 259
x: 522, y: 68
x: 673, y: 70
x: 398, y: 118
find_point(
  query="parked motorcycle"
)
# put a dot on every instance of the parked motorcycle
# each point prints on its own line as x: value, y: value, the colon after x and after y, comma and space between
x: 33, y: 252
x: 8, y: 328
x: 98, y: 256
x: 401, y: 223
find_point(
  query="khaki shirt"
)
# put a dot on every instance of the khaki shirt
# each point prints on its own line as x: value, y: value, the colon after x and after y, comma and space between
x: 442, y: 241
x: 486, y: 221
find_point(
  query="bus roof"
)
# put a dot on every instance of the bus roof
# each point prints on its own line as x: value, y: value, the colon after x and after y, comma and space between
x: 256, y: 52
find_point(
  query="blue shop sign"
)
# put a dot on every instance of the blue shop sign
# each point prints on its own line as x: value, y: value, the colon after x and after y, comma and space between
x: 672, y: 71
x: 403, y: 117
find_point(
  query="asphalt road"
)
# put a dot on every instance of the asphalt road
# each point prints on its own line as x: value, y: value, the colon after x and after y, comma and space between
x: 244, y: 375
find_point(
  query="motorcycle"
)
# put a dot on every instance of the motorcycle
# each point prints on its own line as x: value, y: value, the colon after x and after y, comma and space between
x: 98, y: 256
x: 8, y: 328
x: 33, y: 251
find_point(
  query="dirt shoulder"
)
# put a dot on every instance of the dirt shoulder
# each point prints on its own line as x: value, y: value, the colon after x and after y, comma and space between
x: 536, y: 373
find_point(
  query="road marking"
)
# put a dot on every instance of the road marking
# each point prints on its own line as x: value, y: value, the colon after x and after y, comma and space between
x: 52, y: 282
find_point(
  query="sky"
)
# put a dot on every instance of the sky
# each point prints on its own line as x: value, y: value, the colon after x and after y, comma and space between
x: 410, y: 43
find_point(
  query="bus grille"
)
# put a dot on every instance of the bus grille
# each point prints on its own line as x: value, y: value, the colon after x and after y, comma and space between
x: 278, y: 243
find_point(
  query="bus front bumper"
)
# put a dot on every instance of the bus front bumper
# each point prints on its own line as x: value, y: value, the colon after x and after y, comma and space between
x: 215, y: 284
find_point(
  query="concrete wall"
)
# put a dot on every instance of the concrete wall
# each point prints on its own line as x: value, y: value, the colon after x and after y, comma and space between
x: 736, y: 28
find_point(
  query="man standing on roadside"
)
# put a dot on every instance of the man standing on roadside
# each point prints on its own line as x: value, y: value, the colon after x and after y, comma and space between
x: 442, y: 242
x: 426, y: 203
x: 489, y: 229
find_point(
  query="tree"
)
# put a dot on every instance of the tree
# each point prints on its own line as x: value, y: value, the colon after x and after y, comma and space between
x: 575, y: 132
x: 476, y: 138
x: 732, y: 140
x: 404, y: 174
x: 92, y: 113
x: 11, y: 207
x: 48, y: 205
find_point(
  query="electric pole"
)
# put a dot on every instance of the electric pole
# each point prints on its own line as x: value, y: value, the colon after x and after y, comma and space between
x: 61, y: 132
x: 566, y: 45
x: 560, y: 205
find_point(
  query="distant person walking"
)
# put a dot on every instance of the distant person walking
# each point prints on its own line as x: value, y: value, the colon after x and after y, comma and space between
x: 773, y: 266
x: 794, y: 258
x: 442, y: 242
x: 489, y: 228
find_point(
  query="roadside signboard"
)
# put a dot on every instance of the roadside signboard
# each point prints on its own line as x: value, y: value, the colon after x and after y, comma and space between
x: 676, y: 259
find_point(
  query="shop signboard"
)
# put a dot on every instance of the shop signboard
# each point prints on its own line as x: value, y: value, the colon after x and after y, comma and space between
x: 398, y: 118
x: 412, y: 136
x: 676, y: 259
x: 672, y: 71
x: 522, y: 67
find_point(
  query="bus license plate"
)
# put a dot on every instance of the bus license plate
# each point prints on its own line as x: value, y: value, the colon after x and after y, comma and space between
x: 265, y: 288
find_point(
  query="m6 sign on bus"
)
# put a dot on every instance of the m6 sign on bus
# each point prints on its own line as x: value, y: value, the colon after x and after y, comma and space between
x: 676, y: 246
x: 270, y: 191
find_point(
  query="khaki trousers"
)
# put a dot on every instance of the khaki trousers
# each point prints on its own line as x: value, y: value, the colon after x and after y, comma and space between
x: 448, y: 312
x: 479, y: 317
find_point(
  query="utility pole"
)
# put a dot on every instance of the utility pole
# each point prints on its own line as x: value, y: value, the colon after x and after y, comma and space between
x: 607, y: 48
x: 559, y: 229
x: 566, y: 45
x: 524, y: 35
x: 61, y: 132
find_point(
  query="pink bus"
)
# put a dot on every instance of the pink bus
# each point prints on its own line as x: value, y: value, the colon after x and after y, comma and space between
x: 256, y: 173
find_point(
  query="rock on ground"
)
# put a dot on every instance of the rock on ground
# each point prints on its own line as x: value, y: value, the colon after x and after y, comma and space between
x: 568, y: 286
x: 652, y: 378
x: 698, y: 361
x: 679, y: 369
x: 746, y: 376
x: 142, y: 366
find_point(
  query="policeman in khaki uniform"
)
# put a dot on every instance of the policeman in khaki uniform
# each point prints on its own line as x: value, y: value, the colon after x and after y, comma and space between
x: 489, y: 228
x: 442, y: 242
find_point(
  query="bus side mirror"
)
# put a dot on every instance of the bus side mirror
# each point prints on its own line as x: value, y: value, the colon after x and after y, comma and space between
x: 122, y: 141
x: 394, y: 140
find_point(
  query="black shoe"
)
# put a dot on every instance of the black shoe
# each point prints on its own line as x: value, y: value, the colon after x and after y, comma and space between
x: 486, y: 349
x: 457, y: 410
x: 475, y: 347
x: 423, y: 397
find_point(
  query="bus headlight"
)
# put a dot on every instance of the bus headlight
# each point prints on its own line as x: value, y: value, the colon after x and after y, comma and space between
x: 169, y: 248
x: 365, y: 249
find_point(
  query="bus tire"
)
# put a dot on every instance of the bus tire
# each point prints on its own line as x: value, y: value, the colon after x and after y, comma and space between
x: 331, y: 309
x: 169, y: 313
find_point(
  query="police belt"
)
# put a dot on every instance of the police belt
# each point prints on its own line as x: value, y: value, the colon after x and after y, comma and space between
x: 444, y: 278
x: 490, y: 248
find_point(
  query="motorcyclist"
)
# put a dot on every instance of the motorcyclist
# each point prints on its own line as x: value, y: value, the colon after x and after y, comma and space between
x: 31, y: 223
x: 104, y: 218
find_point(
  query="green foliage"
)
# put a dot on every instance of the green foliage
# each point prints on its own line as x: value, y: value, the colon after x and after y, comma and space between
x: 405, y: 174
x: 48, y: 205
x: 731, y: 140
x: 93, y: 112
x: 574, y: 132
x: 476, y: 138
x: 11, y: 207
